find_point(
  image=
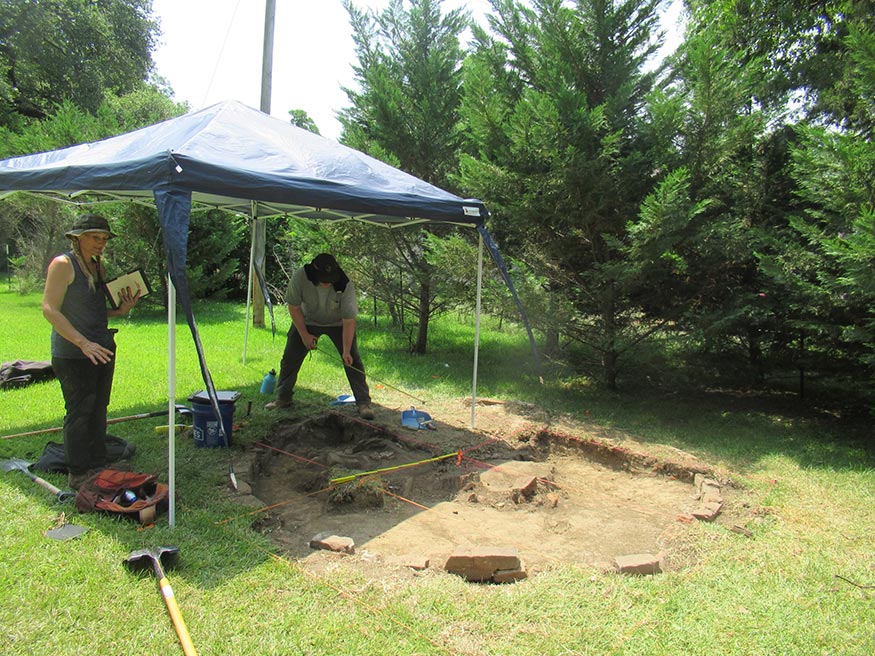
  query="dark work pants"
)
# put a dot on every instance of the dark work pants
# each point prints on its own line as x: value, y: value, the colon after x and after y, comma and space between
x: 295, y: 352
x: 86, y: 388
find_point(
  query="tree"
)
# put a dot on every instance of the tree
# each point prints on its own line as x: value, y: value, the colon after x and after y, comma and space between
x: 406, y: 112
x: 53, y: 51
x: 553, y: 103
x: 300, y: 118
x: 750, y: 75
x: 730, y: 162
x: 36, y: 225
x: 828, y: 268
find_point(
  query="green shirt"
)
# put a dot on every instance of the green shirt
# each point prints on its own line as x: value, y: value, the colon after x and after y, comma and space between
x: 322, y: 306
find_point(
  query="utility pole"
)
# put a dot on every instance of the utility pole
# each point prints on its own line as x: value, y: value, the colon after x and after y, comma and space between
x: 259, y: 227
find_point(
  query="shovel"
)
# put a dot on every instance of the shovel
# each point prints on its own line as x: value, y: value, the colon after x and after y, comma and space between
x: 142, y: 559
x: 17, y: 464
x: 181, y: 409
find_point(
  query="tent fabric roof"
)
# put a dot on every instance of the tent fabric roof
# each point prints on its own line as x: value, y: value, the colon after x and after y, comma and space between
x: 234, y: 157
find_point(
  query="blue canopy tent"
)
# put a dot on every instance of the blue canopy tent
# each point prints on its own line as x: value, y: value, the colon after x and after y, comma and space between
x: 233, y: 157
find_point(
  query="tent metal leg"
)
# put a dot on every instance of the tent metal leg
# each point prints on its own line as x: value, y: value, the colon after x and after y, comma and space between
x: 249, y: 284
x: 171, y: 402
x: 477, y: 333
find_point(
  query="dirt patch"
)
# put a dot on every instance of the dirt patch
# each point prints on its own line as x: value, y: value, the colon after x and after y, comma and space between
x: 553, y: 490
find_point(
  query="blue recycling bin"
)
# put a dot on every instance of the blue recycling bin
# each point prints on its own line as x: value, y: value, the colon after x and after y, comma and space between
x: 204, y: 424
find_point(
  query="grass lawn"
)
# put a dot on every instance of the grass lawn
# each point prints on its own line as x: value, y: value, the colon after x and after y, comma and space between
x: 809, y: 480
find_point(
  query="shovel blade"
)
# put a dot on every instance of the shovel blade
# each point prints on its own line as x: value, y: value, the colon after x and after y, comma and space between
x: 15, y: 463
x: 143, y: 559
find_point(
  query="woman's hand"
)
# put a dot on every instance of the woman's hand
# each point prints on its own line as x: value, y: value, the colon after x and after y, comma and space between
x: 96, y: 353
x: 127, y: 300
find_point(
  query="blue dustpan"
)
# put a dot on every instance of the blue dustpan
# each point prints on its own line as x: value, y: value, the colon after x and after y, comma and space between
x: 416, y: 419
x: 343, y: 399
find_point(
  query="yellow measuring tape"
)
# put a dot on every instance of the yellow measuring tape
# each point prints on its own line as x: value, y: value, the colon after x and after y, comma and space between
x: 352, y: 477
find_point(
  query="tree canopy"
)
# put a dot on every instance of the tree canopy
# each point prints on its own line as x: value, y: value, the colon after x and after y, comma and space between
x: 53, y: 51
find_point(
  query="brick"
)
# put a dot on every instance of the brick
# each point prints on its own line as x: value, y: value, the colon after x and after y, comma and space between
x: 514, y: 476
x: 640, y: 564
x: 525, y: 485
x: 702, y: 482
x: 333, y: 543
x: 509, y: 575
x: 707, y: 511
x: 481, y: 563
x: 710, y: 495
x: 418, y: 563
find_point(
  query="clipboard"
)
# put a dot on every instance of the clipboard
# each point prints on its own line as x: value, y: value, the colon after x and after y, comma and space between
x: 133, y: 279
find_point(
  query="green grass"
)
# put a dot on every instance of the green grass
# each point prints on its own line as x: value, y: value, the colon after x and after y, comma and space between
x: 809, y: 480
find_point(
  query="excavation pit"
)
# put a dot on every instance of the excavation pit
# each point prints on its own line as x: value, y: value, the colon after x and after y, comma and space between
x: 556, y: 498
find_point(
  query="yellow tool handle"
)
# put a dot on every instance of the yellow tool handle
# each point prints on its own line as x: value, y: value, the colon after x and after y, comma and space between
x: 176, y: 616
x: 352, y: 477
x: 164, y: 428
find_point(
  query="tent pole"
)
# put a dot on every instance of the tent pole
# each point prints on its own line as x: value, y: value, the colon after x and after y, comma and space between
x: 249, y: 284
x: 171, y: 401
x: 477, y: 332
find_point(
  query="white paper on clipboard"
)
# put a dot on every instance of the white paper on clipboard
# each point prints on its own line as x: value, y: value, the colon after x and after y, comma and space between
x: 135, y: 280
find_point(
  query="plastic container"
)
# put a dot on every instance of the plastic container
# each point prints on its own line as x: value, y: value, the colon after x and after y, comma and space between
x: 268, y: 384
x: 204, y: 424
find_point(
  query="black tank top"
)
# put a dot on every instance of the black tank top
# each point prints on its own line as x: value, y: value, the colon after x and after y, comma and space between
x: 85, y: 308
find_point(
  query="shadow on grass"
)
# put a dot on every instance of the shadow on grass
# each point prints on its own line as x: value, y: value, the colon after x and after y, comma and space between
x: 740, y: 428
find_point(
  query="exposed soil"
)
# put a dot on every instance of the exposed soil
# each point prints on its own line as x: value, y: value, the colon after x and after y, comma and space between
x: 554, y: 490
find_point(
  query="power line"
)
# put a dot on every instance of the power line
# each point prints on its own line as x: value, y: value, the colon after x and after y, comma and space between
x: 219, y: 57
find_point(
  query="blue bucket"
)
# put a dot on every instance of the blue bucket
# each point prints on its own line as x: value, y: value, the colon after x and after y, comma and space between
x: 204, y: 424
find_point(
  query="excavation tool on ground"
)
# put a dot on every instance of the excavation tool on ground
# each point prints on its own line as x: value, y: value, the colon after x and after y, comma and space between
x: 143, y: 415
x: 17, y: 464
x: 157, y: 559
x: 352, y: 477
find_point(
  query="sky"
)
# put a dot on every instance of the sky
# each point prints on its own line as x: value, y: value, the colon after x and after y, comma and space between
x: 211, y: 50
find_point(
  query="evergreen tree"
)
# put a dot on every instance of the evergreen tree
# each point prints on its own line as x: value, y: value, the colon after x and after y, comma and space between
x: 554, y: 105
x: 828, y: 268
x: 405, y: 112
x: 752, y: 75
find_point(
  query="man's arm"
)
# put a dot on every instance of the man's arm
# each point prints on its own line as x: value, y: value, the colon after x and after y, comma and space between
x: 348, y: 334
x: 301, y: 326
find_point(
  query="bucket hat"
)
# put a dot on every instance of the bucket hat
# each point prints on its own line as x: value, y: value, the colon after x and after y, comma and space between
x: 90, y: 223
x: 326, y: 268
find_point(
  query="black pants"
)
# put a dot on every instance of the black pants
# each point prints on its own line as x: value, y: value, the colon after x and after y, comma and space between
x: 86, y: 388
x: 295, y: 352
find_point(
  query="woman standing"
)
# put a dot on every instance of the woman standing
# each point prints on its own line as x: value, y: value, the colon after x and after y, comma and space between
x: 83, y: 348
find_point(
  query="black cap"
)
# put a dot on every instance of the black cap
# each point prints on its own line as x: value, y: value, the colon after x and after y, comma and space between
x: 326, y: 268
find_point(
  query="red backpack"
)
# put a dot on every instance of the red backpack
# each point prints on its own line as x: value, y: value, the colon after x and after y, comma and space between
x: 132, y: 494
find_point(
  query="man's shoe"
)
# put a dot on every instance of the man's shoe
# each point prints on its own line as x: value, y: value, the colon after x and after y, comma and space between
x: 279, y: 403
x: 365, y: 411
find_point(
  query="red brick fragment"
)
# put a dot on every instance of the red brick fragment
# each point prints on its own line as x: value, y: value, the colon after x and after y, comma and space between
x: 482, y: 563
x: 641, y: 564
